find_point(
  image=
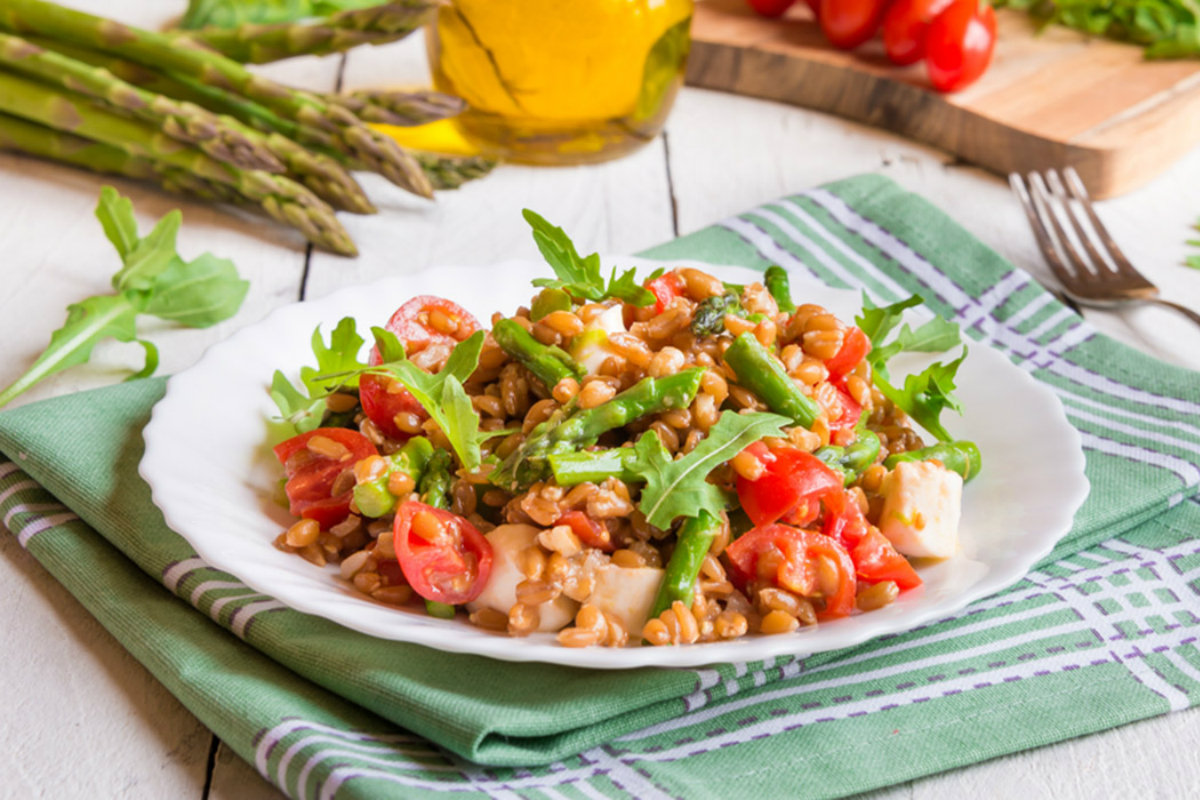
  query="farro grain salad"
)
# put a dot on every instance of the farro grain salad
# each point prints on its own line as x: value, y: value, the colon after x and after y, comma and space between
x: 668, y: 460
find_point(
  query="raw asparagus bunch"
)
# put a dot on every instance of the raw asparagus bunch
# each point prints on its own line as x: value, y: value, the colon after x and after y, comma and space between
x: 252, y: 43
x: 231, y: 13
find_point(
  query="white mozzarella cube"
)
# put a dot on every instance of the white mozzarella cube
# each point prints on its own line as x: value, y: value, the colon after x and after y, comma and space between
x: 500, y: 593
x: 922, y: 503
x: 626, y: 594
x: 590, y: 348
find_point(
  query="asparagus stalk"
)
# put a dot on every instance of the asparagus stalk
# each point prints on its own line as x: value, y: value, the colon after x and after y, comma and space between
x: 253, y: 43
x: 32, y: 139
x: 776, y: 280
x: 392, y: 107
x: 549, y: 364
x: 693, y: 541
x: 349, y: 134
x: 434, y: 486
x: 451, y: 172
x: 761, y: 373
x: 593, y: 466
x: 567, y: 432
x: 962, y: 457
x: 183, y: 121
x: 224, y: 14
x: 373, y: 498
x: 853, y: 459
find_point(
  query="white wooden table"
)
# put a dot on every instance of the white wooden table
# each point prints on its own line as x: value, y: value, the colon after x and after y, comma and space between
x: 83, y: 719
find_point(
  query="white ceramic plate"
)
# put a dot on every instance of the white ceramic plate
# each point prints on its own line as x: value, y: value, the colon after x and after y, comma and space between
x: 211, y: 471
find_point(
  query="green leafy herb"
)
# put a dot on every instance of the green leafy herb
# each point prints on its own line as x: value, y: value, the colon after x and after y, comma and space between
x: 153, y: 280
x: 925, y: 395
x: 580, y: 276
x: 709, y: 317
x: 1166, y: 28
x: 337, y: 366
x: 442, y: 394
x: 680, y: 488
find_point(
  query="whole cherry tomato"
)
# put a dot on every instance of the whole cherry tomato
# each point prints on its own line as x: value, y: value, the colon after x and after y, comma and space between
x: 849, y: 23
x: 904, y: 27
x: 959, y: 44
x: 770, y: 8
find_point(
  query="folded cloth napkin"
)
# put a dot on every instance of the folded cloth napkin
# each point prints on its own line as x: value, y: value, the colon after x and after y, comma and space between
x: 1102, y: 632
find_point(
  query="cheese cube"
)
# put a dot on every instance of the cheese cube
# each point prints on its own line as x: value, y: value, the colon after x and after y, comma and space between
x: 921, y: 509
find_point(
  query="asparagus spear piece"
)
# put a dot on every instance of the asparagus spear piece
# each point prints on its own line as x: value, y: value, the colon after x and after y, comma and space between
x: 853, y: 459
x: 549, y: 364
x: 694, y: 539
x: 373, y: 498
x: 761, y: 373
x: 183, y: 121
x: 226, y: 14
x: 254, y: 43
x: 593, y: 466
x: 776, y: 280
x: 962, y: 457
x: 392, y: 107
x: 451, y: 172
x: 434, y: 486
x: 372, y: 148
x: 568, y: 431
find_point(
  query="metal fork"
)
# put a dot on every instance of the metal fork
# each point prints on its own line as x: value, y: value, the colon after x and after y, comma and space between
x: 1104, y: 278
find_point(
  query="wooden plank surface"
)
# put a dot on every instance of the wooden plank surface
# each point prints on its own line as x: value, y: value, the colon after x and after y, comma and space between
x: 90, y: 722
x: 1049, y: 99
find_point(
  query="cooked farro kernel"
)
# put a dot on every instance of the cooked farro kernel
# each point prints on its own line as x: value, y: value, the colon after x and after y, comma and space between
x: 876, y: 596
x: 776, y: 622
x: 821, y: 428
x: 610, y: 500
x: 565, y: 390
x: 648, y: 552
x: 494, y: 498
x: 595, y: 393
x: 827, y: 575
x: 303, y: 533
x: 393, y: 595
x: 346, y: 527
x: 694, y: 437
x: 617, y: 635
x: 353, y: 563
x: 629, y: 559
x: 367, y: 582
x: 564, y: 323
x: 872, y: 477
x: 400, y: 483
x: 736, y: 325
x: 859, y: 389
x: 369, y: 468
x: 408, y: 422
x: 681, y: 624
x: 341, y: 402
x: 744, y: 398
x: 538, y: 413
x: 534, y: 593
x: 324, y: 446
x: 578, y: 637
x: 822, y: 344
x: 804, y: 439
x: 280, y: 543
x: 631, y: 348
x: 560, y: 539
x: 522, y: 620
x: 700, y: 285
x: 343, y: 483
x: 677, y: 418
x: 666, y: 435
x: 385, y: 545
x: 489, y: 619
x: 765, y: 332
x: 773, y: 599
x: 665, y: 362
x: 730, y: 625
x: 488, y: 404
x: 747, y: 466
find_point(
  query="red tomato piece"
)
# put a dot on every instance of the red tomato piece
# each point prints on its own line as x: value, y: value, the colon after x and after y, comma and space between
x: 849, y: 23
x: 770, y: 8
x: 423, y: 322
x: 876, y: 560
x: 959, y: 44
x: 849, y: 414
x: 787, y: 557
x: 589, y: 531
x: 443, y: 556
x: 312, y: 472
x: 791, y: 478
x: 665, y: 288
x: 844, y: 520
x: 904, y: 27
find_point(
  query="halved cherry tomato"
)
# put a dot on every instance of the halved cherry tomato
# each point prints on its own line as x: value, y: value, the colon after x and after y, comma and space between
x: 844, y: 520
x: 665, y: 287
x: 876, y: 560
x: 787, y: 557
x: 312, y: 473
x: 849, y: 23
x: 791, y: 478
x: 771, y: 8
x: 904, y: 27
x: 959, y: 44
x: 382, y: 398
x: 855, y: 345
x: 443, y: 556
x: 589, y: 531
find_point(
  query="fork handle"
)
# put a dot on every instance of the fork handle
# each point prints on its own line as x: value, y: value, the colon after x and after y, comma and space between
x: 1192, y: 315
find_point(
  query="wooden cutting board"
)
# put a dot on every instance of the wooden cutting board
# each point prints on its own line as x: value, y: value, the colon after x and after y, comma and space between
x: 1048, y: 100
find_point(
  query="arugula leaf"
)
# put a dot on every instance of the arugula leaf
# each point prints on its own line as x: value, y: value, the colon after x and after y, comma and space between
x: 303, y: 411
x: 925, y: 395
x: 441, y: 394
x: 577, y: 275
x: 338, y: 357
x: 153, y: 279
x: 680, y: 488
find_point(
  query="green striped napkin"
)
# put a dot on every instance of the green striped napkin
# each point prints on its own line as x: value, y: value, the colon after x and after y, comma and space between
x: 1102, y: 632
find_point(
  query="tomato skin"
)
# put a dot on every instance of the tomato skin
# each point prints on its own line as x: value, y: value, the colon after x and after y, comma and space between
x: 791, y: 478
x: 849, y: 23
x: 904, y: 27
x: 959, y: 44
x: 453, y: 570
x: 876, y: 560
x: 796, y: 571
x: 665, y: 288
x: 589, y: 531
x: 382, y: 406
x: 311, y: 475
x: 855, y: 346
x: 770, y: 8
